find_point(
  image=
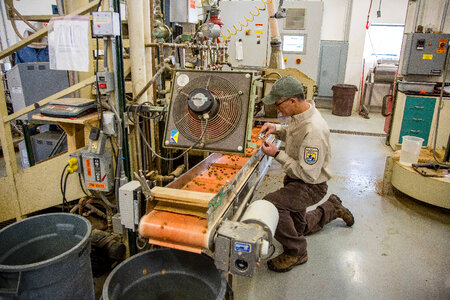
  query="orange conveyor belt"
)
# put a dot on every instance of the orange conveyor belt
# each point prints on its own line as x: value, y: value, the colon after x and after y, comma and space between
x: 189, y: 233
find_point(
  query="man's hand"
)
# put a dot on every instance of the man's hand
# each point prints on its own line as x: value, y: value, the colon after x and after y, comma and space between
x: 269, y: 149
x: 268, y: 129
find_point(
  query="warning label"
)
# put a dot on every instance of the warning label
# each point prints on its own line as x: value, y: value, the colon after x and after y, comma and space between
x: 96, y: 185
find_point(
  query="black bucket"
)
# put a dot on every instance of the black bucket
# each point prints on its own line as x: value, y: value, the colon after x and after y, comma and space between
x: 46, y: 257
x: 165, y: 274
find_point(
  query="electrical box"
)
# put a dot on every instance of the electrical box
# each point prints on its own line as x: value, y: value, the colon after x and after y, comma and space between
x: 129, y: 204
x: 105, y: 82
x: 183, y: 11
x: 97, y: 170
x: 29, y: 83
x: 105, y: 24
x: 425, y: 53
x: 44, y: 143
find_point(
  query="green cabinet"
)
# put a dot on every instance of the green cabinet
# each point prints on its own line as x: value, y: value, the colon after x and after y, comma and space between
x: 417, y: 117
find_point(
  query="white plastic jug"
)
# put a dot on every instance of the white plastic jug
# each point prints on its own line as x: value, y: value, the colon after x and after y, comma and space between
x: 410, y: 150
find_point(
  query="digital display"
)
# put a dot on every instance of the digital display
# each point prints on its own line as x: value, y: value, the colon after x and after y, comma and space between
x: 293, y: 43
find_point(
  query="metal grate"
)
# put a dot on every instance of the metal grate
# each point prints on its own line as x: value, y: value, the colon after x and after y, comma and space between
x: 295, y: 19
x: 220, y: 125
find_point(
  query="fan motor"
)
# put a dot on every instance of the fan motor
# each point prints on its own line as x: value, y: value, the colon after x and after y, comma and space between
x: 201, y: 101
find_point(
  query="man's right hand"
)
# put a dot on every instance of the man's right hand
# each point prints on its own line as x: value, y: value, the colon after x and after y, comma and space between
x: 267, y: 129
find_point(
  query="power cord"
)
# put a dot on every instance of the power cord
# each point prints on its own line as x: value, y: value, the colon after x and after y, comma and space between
x: 205, y: 117
x: 61, y: 186
x: 81, y: 185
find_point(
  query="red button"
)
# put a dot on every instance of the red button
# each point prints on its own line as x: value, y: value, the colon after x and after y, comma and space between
x: 102, y: 85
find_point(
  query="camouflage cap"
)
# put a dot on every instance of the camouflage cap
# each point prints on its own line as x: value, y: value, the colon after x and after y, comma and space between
x: 283, y: 87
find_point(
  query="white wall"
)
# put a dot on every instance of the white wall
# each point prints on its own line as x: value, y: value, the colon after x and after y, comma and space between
x: 333, y: 24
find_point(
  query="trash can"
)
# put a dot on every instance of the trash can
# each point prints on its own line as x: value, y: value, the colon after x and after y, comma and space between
x: 46, y: 257
x: 343, y: 95
x: 166, y: 274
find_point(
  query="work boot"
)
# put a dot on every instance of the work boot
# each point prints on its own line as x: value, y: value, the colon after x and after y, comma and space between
x: 341, y: 211
x: 285, y: 262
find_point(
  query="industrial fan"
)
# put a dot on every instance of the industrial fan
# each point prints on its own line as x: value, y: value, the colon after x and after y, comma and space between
x: 209, y: 111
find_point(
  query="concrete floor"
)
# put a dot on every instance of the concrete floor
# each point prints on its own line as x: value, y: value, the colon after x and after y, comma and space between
x: 398, y: 248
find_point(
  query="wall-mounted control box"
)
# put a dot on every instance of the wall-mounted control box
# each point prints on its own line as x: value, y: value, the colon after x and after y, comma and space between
x: 425, y: 53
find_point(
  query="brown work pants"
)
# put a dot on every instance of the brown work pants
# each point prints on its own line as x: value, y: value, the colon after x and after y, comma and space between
x: 294, y: 222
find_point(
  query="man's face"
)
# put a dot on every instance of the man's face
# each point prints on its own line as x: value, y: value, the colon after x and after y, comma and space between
x: 285, y: 106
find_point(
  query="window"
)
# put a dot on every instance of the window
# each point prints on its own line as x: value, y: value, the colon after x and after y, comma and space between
x: 384, y: 41
x: 294, y: 43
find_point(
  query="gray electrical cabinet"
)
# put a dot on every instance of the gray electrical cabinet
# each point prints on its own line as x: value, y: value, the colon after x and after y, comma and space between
x: 43, y: 144
x: 425, y: 53
x: 332, y: 63
x: 29, y: 83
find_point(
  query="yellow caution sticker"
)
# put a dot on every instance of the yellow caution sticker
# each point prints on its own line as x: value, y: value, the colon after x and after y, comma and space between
x: 427, y: 56
x: 258, y: 32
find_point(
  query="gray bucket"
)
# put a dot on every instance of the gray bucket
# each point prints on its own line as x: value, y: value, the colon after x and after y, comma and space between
x: 46, y: 257
x: 165, y: 274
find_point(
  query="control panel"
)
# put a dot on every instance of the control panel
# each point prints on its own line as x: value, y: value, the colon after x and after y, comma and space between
x: 425, y: 54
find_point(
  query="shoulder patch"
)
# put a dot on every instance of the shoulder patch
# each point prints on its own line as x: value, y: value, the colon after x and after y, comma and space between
x: 311, y: 155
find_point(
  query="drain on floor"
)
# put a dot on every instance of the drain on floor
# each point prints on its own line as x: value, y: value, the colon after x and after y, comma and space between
x: 358, y: 133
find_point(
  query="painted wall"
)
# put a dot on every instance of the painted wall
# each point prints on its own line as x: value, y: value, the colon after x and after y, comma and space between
x: 333, y: 22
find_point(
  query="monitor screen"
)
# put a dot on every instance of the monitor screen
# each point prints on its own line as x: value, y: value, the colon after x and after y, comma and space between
x: 293, y: 43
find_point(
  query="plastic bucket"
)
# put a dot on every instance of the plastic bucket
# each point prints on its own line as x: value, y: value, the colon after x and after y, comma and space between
x: 411, y: 146
x: 46, y: 257
x: 165, y: 274
x: 343, y: 95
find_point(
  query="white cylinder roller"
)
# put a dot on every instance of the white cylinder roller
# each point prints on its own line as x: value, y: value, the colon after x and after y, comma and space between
x: 262, y: 212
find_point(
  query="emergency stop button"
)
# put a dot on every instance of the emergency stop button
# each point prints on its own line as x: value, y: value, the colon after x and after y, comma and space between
x: 102, y: 85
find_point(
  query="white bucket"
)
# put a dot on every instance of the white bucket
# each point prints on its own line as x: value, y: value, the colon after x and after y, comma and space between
x: 410, y: 150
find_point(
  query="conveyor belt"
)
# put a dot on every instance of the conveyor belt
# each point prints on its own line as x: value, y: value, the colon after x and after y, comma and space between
x: 223, y: 174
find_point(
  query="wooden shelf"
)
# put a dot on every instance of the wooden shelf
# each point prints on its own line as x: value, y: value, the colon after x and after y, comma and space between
x: 74, y: 127
x: 81, y: 120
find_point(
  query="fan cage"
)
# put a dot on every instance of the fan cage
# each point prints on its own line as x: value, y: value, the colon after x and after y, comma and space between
x: 222, y: 124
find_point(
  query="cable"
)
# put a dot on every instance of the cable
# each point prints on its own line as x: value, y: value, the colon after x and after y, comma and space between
x: 61, y: 181
x: 206, y: 118
x: 99, y: 5
x: 112, y: 147
x: 103, y: 196
x: 81, y: 185
x: 140, y: 248
x: 97, y: 95
x: 64, y: 202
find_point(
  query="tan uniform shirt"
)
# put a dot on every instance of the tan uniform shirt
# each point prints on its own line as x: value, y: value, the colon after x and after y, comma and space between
x: 307, y: 155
